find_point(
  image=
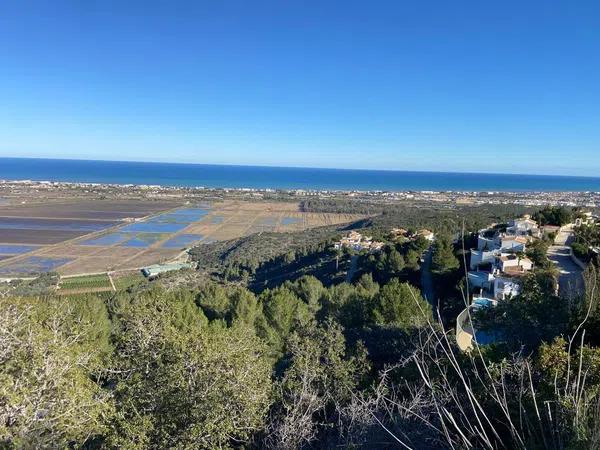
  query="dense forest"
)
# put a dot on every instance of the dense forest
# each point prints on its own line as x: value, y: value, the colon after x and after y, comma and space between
x: 195, y: 360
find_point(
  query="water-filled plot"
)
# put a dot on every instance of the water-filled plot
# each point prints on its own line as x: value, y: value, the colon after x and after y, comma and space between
x: 153, y: 227
x: 290, y: 220
x: 170, y: 218
x: 185, y: 215
x: 182, y: 240
x: 143, y: 240
x: 11, y: 223
x: 16, y: 249
x: 189, y: 214
x: 268, y: 221
x: 34, y: 265
x: 107, y: 239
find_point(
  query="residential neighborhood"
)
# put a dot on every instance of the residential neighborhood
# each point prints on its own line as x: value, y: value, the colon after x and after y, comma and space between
x: 500, y: 262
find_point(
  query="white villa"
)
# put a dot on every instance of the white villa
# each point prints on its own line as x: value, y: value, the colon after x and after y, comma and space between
x: 502, y: 253
x: 525, y: 226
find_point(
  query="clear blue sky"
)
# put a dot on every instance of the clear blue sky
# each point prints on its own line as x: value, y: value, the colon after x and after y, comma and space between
x: 496, y: 86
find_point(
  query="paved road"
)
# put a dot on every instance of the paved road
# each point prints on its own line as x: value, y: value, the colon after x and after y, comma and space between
x: 353, y: 267
x: 427, y: 288
x: 570, y: 280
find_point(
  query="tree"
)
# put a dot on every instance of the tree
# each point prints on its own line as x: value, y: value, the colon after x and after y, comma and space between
x: 537, y: 251
x: 443, y: 255
x: 214, y: 301
x: 320, y: 379
x: 395, y: 262
x: 245, y: 307
x: 283, y: 313
x: 401, y: 305
x: 185, y: 384
x: 48, y: 398
x: 554, y: 215
x: 310, y: 290
x: 412, y: 259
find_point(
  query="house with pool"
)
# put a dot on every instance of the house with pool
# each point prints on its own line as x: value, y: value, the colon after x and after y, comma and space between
x: 497, y: 267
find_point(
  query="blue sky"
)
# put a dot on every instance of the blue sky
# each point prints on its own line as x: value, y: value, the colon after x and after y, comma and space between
x: 510, y: 86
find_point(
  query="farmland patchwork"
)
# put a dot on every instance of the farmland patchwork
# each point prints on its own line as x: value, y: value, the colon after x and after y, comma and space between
x: 90, y: 237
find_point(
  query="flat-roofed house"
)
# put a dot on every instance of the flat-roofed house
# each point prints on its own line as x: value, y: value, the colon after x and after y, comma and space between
x: 524, y: 226
x: 485, y: 243
x: 505, y: 288
x: 509, y: 262
x: 480, y: 280
x: 513, y: 243
x: 480, y: 258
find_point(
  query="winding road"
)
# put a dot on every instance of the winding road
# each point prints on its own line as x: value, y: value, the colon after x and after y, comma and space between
x: 427, y: 288
x: 570, y: 280
x: 353, y: 268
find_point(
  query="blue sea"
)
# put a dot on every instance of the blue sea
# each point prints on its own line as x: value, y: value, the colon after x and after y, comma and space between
x: 221, y: 176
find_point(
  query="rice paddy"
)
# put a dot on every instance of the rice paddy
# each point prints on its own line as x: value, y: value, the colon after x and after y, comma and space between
x: 34, y: 265
x: 84, y: 237
x: 16, y: 249
x: 153, y: 227
x: 290, y: 220
x: 182, y: 240
x: 144, y: 240
x: 107, y: 239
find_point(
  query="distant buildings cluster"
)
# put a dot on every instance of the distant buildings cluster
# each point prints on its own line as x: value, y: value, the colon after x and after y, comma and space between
x: 401, y: 233
x: 356, y: 241
x: 587, y: 219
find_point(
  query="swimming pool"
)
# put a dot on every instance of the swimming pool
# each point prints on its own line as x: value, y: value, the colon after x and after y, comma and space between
x: 483, y: 302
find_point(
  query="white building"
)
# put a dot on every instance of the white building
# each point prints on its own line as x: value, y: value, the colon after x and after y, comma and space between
x: 484, y: 243
x: 524, y: 226
x: 427, y: 234
x: 505, y: 288
x: 512, y: 243
x: 482, y: 257
x: 509, y: 262
x: 481, y: 280
x: 587, y: 219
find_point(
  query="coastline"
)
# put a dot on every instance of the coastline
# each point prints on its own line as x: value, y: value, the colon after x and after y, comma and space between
x: 588, y: 199
x: 263, y: 178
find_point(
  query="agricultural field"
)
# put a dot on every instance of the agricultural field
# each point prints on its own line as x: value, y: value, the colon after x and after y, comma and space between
x: 87, y: 237
x: 126, y: 280
x: 86, y: 283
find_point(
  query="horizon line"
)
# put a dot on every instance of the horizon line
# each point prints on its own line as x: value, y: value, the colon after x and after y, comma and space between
x: 303, y: 167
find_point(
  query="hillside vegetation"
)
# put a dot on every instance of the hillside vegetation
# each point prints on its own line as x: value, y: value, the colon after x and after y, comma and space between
x: 208, y: 359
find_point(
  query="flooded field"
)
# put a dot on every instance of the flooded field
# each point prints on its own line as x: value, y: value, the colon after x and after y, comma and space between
x: 91, y: 237
x: 111, y: 210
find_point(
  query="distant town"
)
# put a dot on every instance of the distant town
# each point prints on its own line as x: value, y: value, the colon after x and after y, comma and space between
x: 525, y: 198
